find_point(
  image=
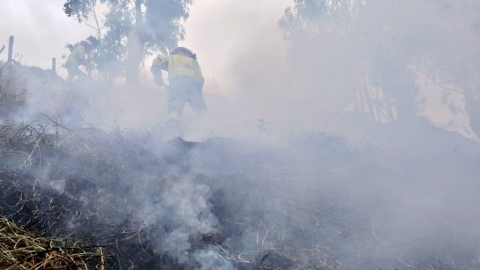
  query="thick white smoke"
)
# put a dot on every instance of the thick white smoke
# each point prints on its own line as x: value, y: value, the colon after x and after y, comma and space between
x: 391, y: 189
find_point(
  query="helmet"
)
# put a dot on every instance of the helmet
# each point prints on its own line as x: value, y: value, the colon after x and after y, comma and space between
x: 183, y: 51
x: 95, y: 42
x: 90, y: 43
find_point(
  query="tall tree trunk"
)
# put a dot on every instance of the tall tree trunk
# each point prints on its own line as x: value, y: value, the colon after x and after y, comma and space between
x: 136, y: 46
x: 399, y: 83
x: 364, y: 87
x: 388, y: 105
x: 472, y: 106
x: 377, y: 104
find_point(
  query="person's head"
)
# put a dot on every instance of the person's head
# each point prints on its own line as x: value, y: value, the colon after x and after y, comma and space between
x: 90, y: 43
x: 183, y: 51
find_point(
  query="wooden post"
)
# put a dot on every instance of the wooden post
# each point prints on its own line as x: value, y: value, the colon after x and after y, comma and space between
x: 54, y: 65
x: 10, y: 49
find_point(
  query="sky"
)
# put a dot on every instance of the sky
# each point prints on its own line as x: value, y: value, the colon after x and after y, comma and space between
x: 41, y: 30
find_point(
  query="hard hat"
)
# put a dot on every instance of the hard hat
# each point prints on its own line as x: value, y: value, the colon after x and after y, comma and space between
x: 184, y: 51
x: 93, y: 41
x: 90, y: 43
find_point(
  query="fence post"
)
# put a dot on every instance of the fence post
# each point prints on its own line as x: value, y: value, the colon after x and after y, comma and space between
x: 10, y: 49
x: 54, y: 65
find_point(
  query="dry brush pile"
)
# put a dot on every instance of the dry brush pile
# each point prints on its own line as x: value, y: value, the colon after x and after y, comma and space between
x: 220, y: 204
x: 12, y: 95
x: 104, y: 190
x: 21, y: 249
x: 48, y: 190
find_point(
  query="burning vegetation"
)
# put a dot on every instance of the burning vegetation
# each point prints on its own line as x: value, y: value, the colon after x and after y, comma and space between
x: 400, y: 193
x: 87, y: 198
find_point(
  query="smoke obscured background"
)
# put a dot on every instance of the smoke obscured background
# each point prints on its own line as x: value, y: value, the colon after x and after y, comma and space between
x: 352, y: 128
x: 244, y: 57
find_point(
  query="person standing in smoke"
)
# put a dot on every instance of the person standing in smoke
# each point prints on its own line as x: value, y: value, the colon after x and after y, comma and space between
x: 78, y: 58
x: 185, y: 83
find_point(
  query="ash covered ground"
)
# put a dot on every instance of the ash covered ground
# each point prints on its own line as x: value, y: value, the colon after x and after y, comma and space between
x: 318, y: 202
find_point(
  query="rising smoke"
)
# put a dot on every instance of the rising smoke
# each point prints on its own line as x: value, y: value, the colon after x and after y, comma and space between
x: 382, y: 193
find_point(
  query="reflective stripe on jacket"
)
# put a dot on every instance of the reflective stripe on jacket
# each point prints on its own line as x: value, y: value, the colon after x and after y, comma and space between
x: 78, y: 55
x: 178, y: 66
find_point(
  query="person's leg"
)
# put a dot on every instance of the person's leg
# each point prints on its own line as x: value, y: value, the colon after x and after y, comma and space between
x: 197, y: 103
x: 71, y: 72
x: 176, y: 103
x: 80, y: 74
x: 176, y: 99
x: 195, y: 99
x: 74, y: 71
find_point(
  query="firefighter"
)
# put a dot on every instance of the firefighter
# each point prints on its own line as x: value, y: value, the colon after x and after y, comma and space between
x: 78, y: 58
x: 185, y: 82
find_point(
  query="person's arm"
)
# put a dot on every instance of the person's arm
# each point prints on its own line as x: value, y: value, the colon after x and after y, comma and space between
x: 81, y: 55
x: 160, y: 63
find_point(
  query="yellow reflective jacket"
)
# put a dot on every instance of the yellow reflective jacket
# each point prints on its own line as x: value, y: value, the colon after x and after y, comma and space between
x: 178, y: 66
x: 78, y: 56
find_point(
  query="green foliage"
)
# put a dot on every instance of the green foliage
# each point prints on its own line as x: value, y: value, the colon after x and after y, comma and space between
x: 111, y: 56
x: 158, y: 28
x: 385, y: 41
x: 78, y: 8
x: 307, y: 16
x: 163, y: 19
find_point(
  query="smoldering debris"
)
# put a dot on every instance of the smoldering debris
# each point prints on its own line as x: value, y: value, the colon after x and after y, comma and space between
x: 228, y: 204
x: 132, y: 212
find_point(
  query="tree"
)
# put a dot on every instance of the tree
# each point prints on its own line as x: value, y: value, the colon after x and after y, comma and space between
x: 386, y: 48
x: 135, y: 29
x: 330, y: 39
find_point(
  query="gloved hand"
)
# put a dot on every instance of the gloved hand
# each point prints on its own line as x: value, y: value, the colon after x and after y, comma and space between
x: 159, y: 81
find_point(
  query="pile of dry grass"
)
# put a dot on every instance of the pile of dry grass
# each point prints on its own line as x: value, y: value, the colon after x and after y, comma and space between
x: 12, y: 95
x: 113, y: 221
x: 108, y: 178
x: 36, y: 156
x: 20, y: 249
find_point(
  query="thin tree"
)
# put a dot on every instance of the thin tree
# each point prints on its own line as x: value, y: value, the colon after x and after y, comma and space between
x: 389, y: 42
x: 134, y: 29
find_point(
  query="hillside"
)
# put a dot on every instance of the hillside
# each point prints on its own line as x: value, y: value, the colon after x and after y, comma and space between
x: 126, y: 199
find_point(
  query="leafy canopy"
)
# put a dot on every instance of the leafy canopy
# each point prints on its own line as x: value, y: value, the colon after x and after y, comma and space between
x: 155, y: 24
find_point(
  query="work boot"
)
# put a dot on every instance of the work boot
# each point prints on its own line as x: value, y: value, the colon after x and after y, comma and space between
x: 173, y: 129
